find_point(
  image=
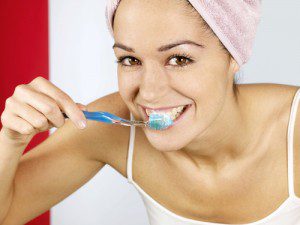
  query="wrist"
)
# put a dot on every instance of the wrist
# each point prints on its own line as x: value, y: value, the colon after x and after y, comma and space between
x: 5, y: 140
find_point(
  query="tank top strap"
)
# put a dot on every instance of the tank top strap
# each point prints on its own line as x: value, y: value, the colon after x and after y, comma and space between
x: 291, y: 129
x: 130, y: 151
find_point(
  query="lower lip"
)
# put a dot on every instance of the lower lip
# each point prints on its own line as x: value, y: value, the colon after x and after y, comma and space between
x: 178, y: 119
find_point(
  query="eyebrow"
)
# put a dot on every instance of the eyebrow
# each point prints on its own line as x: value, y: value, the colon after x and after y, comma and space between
x: 162, y: 48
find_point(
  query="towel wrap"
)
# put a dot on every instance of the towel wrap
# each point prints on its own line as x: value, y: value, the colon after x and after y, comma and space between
x: 233, y: 21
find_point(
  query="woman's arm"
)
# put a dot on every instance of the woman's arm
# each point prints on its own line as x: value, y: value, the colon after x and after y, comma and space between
x: 60, y: 165
x: 8, y: 164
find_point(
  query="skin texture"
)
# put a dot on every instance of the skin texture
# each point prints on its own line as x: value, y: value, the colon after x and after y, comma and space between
x: 151, y: 79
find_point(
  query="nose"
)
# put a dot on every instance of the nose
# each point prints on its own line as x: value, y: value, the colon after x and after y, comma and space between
x: 154, y: 85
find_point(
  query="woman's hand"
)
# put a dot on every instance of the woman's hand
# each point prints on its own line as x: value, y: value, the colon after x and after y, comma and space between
x: 36, y: 107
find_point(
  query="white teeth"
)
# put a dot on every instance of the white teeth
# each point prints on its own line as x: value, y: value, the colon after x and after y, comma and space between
x: 180, y: 108
x: 173, y: 113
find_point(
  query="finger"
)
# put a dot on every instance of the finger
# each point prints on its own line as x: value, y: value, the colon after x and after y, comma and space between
x: 30, y: 114
x: 63, y: 100
x: 19, y: 125
x: 42, y: 103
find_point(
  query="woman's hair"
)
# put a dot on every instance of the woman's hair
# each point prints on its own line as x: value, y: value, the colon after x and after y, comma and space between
x: 194, y: 13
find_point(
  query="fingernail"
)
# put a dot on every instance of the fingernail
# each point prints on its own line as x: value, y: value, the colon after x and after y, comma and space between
x: 82, y: 124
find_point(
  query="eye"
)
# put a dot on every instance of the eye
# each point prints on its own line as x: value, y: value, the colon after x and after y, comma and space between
x: 181, y: 59
x: 128, y: 59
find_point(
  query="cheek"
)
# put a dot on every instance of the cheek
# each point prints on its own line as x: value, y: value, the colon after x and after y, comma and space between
x: 207, y: 88
x: 127, y: 85
x: 196, y: 84
x: 210, y: 102
x: 211, y: 92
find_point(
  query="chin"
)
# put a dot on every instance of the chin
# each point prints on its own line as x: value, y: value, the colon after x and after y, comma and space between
x: 166, y: 143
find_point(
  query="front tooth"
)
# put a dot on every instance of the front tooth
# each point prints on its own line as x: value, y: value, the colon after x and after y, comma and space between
x: 180, y: 108
x: 172, y: 116
x: 148, y: 112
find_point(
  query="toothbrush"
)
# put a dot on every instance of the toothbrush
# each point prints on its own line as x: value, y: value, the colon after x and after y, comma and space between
x: 155, y: 122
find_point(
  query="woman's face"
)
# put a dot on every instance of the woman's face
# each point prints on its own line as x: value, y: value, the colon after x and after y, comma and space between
x: 150, y: 74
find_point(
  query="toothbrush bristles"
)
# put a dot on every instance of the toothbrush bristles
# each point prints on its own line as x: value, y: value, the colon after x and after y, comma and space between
x: 159, y: 121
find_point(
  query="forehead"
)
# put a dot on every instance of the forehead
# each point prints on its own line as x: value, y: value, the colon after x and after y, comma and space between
x: 156, y: 21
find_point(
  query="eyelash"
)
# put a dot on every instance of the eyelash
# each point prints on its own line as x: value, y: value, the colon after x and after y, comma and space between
x: 183, y: 55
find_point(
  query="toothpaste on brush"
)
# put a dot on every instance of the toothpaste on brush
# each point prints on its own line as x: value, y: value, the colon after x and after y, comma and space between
x: 159, y: 121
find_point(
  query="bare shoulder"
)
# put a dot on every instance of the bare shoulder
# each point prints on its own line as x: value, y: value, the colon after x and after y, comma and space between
x: 274, y: 101
x: 269, y: 97
x: 114, y: 150
x: 270, y: 104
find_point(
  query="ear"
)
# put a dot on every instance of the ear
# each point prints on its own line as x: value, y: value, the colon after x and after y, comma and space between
x: 234, y: 66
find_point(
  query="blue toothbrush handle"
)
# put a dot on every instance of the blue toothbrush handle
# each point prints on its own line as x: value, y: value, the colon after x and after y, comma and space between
x: 99, y: 116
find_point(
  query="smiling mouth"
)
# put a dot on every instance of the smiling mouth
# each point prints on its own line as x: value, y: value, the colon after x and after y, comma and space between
x: 173, y: 112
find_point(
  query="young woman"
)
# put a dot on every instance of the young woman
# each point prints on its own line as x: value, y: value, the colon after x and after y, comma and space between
x: 229, y: 158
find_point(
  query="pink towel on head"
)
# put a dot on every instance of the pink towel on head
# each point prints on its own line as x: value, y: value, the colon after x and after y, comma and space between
x: 233, y: 21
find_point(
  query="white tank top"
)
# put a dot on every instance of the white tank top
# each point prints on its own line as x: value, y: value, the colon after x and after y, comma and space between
x: 288, y: 213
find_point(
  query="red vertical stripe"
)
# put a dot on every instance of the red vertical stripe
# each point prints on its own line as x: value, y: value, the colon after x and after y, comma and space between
x: 23, y: 54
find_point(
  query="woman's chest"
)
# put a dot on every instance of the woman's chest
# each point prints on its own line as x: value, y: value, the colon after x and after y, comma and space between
x: 245, y: 197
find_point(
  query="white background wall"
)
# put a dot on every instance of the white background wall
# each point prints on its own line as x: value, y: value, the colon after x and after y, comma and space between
x: 82, y: 64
